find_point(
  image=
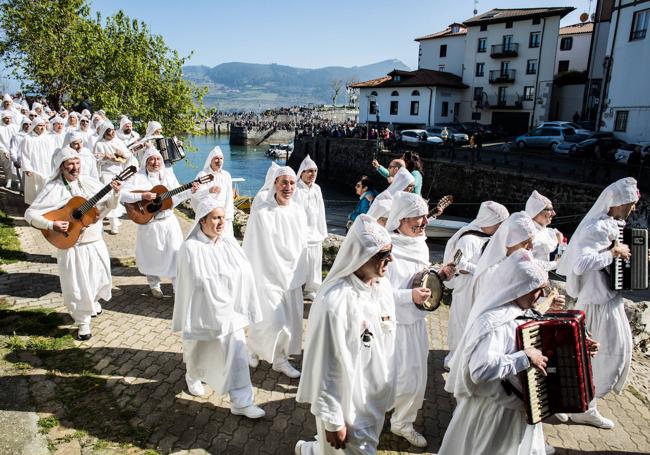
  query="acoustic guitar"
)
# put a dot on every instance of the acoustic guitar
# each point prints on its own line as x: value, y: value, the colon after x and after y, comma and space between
x: 442, y: 204
x: 79, y: 213
x: 142, y: 212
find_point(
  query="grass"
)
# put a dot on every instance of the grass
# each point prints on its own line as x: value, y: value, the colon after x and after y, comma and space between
x: 47, y: 423
x: 9, y: 244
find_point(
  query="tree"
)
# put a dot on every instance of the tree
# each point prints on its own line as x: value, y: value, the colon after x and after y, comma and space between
x: 57, y: 49
x: 336, y: 85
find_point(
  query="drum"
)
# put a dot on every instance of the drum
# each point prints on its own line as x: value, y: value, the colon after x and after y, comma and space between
x: 428, y: 278
x: 170, y: 148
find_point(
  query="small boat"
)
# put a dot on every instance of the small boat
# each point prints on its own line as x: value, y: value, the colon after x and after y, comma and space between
x: 443, y: 229
x: 276, y: 151
x: 241, y: 202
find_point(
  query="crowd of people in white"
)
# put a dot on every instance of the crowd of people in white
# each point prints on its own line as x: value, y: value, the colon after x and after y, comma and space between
x: 366, y: 343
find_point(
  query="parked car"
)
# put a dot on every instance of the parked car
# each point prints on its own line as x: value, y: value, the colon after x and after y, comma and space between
x: 418, y: 136
x: 564, y: 147
x: 471, y: 127
x: 546, y: 137
x: 453, y: 135
x: 587, y: 148
x: 578, y: 129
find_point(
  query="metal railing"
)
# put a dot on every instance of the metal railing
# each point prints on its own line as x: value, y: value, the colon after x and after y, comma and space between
x: 501, y: 76
x: 504, y: 50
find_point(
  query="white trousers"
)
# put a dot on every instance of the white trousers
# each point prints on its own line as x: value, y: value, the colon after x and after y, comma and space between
x: 314, y: 266
x: 361, y: 441
x: 154, y: 282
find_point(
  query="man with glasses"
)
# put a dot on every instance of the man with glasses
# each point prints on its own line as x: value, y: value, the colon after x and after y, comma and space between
x: 546, y: 240
x: 406, y: 223
x: 348, y: 368
x: 393, y: 167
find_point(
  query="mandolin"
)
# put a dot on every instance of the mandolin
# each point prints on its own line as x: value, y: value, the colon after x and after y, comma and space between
x: 442, y: 204
x: 142, y: 212
x: 79, y: 213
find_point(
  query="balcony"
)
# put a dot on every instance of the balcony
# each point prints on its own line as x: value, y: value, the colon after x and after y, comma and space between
x: 504, y: 50
x: 502, y: 76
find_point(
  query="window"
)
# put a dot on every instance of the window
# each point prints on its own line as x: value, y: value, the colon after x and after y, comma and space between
x: 536, y: 21
x: 482, y: 45
x: 529, y: 93
x: 394, y: 93
x: 373, y: 93
x: 566, y: 43
x: 394, y: 106
x: 483, y: 27
x: 480, y: 67
x: 415, y: 93
x: 372, y: 108
x: 415, y: 107
x: 534, y: 40
x: 441, y: 67
x: 478, y: 93
x: 502, y: 95
x: 443, y: 50
x: 509, y: 24
x: 445, y: 109
x: 639, y: 24
x: 507, y: 43
x: 531, y: 67
x: 563, y: 66
x: 621, y: 121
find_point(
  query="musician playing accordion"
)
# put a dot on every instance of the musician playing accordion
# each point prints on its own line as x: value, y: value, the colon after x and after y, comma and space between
x: 591, y: 250
x: 488, y: 419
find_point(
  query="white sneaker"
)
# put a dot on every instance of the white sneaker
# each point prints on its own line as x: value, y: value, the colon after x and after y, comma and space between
x: 286, y: 369
x: 562, y: 417
x: 253, y: 360
x: 194, y: 386
x: 84, y: 332
x: 157, y: 293
x: 593, y: 418
x: 413, y: 437
x: 298, y: 449
x: 549, y: 449
x: 252, y: 412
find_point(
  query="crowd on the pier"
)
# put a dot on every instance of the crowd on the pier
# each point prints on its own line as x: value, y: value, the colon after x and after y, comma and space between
x: 366, y: 343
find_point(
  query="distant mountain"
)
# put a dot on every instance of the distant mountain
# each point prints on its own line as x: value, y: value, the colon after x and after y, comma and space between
x: 251, y: 86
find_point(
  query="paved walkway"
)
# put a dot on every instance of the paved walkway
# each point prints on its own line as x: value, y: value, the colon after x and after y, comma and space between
x: 134, y: 351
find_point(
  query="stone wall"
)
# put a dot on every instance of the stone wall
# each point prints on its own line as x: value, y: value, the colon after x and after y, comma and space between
x: 343, y: 161
x: 240, y: 135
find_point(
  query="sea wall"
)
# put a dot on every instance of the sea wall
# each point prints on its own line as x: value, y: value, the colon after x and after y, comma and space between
x: 343, y: 161
x: 241, y: 135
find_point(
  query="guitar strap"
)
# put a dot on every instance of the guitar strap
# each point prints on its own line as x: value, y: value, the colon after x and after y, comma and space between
x: 67, y: 187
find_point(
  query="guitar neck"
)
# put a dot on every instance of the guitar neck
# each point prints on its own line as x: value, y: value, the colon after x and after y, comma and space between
x: 90, y: 203
x: 176, y: 191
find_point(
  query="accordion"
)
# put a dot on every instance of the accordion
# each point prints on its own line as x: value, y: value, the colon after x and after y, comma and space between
x: 568, y: 386
x: 633, y: 273
x: 170, y: 148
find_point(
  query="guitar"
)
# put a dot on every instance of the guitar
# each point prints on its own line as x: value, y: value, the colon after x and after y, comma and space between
x: 79, y: 213
x: 442, y: 204
x: 142, y: 212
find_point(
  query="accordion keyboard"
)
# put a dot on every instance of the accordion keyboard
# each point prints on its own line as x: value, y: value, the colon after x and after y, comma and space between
x: 536, y: 384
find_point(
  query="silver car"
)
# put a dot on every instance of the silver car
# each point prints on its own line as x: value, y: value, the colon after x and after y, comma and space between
x: 546, y: 137
x: 453, y: 135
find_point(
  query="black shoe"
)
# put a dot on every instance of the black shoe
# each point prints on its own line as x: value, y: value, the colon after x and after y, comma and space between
x: 96, y: 314
x: 85, y: 337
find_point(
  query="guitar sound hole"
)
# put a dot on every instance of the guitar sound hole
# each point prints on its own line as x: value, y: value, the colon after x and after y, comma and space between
x: 76, y: 214
x: 153, y: 207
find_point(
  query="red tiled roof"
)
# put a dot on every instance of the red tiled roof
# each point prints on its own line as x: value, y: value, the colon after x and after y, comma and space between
x: 577, y: 29
x: 498, y: 15
x: 418, y: 78
x: 445, y: 33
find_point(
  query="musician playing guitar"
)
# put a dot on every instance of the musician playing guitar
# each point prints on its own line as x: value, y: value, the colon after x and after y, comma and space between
x: 158, y: 240
x: 84, y: 269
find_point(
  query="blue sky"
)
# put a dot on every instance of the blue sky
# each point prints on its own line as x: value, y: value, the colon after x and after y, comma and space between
x: 306, y: 33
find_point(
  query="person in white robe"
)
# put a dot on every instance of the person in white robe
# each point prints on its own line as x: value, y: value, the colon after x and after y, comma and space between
x: 112, y: 157
x: 470, y: 241
x: 220, y: 188
x: 74, y: 140
x: 274, y: 240
x: 8, y: 108
x: 57, y: 133
x: 84, y: 269
x: 126, y: 133
x: 591, y: 250
x: 406, y: 224
x: 402, y: 181
x: 89, y: 136
x: 309, y: 196
x: 349, y: 364
x: 72, y: 122
x: 214, y: 302
x: 487, y: 419
x: 261, y: 194
x: 16, y: 149
x: 157, y: 242
x: 36, y: 159
x: 546, y: 240
x: 380, y: 209
x: 7, y: 132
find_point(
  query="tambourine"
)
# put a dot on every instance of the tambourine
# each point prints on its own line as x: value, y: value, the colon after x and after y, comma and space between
x: 428, y: 278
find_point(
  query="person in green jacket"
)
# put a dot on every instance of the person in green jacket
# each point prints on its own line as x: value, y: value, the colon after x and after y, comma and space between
x: 393, y: 167
x: 414, y: 166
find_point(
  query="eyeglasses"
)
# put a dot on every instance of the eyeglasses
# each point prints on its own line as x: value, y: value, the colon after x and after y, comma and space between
x: 384, y: 255
x: 548, y: 209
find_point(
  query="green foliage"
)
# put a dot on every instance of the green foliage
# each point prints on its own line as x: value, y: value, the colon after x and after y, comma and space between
x: 59, y: 50
x: 9, y: 244
x: 47, y: 423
